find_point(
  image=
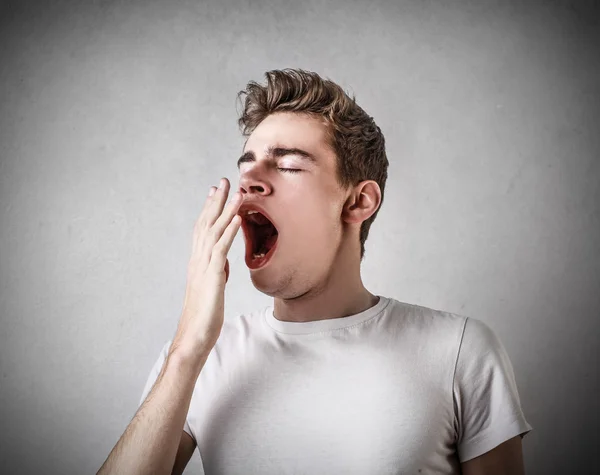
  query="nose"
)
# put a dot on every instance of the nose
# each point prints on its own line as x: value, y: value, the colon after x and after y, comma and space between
x: 253, y: 185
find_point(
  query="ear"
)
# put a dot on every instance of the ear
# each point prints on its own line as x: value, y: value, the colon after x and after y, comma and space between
x: 362, y: 202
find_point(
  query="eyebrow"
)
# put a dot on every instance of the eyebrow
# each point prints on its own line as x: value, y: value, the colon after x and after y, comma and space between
x: 277, y: 152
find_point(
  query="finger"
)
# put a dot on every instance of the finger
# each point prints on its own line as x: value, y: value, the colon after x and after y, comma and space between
x: 213, y: 204
x: 228, y: 213
x: 223, y: 245
x: 212, y: 200
x: 209, y: 199
x: 207, y: 203
x: 214, y: 233
x: 211, y: 193
x: 211, y: 233
x: 216, y: 207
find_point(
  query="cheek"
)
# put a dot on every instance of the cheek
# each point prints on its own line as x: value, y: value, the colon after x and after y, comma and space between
x: 319, y: 224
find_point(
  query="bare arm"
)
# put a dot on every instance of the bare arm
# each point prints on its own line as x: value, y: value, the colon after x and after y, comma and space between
x: 151, y: 440
x: 506, y: 459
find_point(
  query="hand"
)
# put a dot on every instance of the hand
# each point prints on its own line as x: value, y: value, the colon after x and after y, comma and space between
x: 208, y: 271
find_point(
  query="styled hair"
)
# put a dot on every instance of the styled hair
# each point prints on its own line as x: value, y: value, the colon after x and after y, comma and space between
x: 352, y: 134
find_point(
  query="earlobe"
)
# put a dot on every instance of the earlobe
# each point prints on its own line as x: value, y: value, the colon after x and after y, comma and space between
x: 358, y: 208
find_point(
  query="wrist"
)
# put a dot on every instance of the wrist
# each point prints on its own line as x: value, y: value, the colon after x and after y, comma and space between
x: 188, y: 357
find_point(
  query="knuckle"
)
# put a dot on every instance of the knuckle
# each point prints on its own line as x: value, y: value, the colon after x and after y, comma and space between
x: 219, y: 247
x: 212, y: 234
x: 200, y: 224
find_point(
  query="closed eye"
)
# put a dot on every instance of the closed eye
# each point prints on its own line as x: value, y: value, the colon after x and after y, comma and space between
x: 290, y: 170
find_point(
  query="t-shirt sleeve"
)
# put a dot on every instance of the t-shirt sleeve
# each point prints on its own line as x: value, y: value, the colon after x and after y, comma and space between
x: 154, y: 372
x: 488, y: 409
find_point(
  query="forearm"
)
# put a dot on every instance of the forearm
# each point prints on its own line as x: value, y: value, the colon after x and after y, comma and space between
x: 150, y: 441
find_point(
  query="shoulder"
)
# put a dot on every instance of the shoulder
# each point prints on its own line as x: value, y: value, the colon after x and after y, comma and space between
x: 482, y: 358
x: 239, y: 331
x: 479, y: 342
x: 479, y: 333
x: 241, y: 325
x: 438, y: 327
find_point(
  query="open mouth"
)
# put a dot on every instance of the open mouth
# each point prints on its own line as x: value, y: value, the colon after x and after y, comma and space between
x: 261, y: 236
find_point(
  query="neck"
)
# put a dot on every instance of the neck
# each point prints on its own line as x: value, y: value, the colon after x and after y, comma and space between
x: 341, y: 294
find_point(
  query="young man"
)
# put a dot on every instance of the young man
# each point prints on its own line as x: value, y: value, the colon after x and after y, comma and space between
x: 330, y: 379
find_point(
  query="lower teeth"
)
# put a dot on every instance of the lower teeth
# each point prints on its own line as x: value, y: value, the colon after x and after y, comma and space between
x: 258, y: 256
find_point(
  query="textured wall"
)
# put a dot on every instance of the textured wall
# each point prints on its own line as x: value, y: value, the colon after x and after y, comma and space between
x: 116, y: 117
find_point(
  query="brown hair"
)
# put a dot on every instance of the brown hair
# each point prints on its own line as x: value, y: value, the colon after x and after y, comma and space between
x: 354, y: 137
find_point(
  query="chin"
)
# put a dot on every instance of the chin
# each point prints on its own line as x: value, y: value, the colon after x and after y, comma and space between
x: 270, y: 283
x: 264, y: 288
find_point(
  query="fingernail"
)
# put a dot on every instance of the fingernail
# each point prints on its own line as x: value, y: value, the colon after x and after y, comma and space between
x: 212, y: 191
x: 222, y: 184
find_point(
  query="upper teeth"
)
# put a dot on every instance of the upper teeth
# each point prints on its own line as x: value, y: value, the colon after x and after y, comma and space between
x: 252, y: 212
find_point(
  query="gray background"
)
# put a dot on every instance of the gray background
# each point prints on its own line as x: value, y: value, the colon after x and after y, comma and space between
x: 116, y: 117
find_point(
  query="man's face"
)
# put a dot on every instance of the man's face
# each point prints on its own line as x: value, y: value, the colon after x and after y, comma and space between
x: 304, y: 205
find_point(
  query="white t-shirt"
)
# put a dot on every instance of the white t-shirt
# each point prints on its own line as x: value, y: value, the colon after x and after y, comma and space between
x: 395, y: 389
